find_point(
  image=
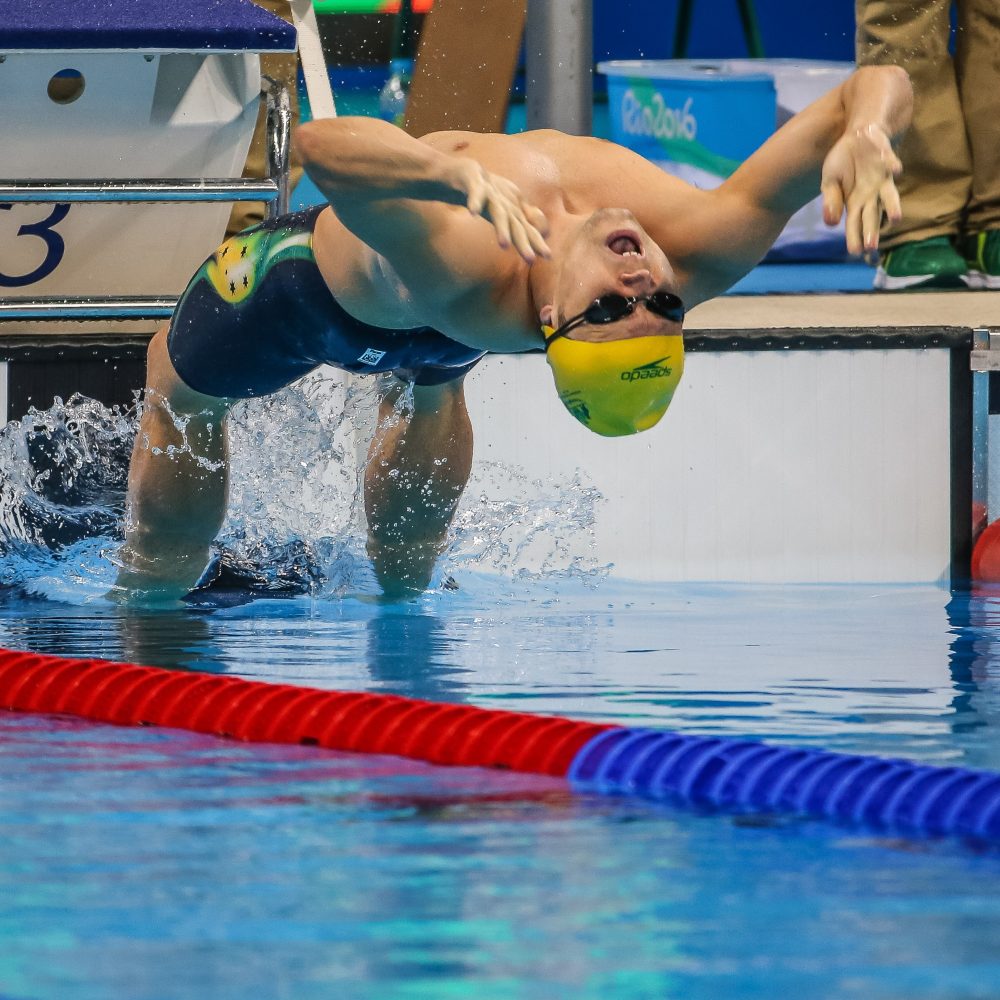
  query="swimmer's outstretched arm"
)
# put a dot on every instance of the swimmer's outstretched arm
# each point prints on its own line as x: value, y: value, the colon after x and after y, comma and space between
x: 389, y: 188
x: 840, y: 145
x: 418, y: 464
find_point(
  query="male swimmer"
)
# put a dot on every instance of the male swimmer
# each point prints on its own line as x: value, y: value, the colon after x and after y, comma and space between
x: 431, y: 253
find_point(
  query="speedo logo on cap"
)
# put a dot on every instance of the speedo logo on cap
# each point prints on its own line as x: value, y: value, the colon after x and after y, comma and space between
x: 653, y: 369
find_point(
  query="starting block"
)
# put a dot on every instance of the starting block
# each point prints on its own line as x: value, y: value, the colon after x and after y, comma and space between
x: 133, y: 102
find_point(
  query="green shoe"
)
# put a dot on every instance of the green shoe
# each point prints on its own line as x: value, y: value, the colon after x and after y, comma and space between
x: 930, y: 263
x: 982, y: 256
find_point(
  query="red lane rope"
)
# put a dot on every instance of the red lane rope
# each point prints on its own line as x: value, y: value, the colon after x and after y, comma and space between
x: 260, y: 712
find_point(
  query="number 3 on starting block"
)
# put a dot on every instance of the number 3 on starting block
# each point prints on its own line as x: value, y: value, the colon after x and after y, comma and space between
x: 55, y: 247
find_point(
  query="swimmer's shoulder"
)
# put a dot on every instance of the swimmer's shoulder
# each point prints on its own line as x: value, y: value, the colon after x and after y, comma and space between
x: 547, y: 140
x: 586, y: 158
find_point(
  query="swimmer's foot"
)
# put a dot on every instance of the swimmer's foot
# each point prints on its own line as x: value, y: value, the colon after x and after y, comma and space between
x: 930, y: 263
x: 131, y: 593
x: 147, y: 584
x: 403, y: 569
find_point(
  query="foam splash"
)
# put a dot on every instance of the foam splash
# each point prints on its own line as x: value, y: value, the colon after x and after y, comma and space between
x: 295, y: 523
x: 526, y: 528
x: 62, y: 486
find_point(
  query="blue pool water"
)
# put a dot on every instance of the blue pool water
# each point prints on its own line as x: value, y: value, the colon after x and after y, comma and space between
x: 159, y: 865
x: 146, y: 863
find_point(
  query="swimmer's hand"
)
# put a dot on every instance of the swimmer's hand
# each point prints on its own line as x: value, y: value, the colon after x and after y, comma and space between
x: 859, y: 175
x: 518, y: 223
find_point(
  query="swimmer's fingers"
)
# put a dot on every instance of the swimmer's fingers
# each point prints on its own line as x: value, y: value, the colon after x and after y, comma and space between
x: 513, y: 228
x: 864, y: 217
x: 486, y: 200
x: 530, y: 218
x: 529, y: 241
x: 518, y: 224
x: 890, y: 200
x: 484, y: 193
x: 533, y: 215
x: 513, y: 231
x: 536, y: 226
x: 538, y: 242
x: 476, y: 192
x: 871, y: 219
x: 886, y: 203
x: 496, y: 212
x: 865, y: 212
x: 520, y: 240
x: 833, y: 202
x: 837, y: 181
x: 536, y: 217
x: 858, y: 177
x: 526, y: 239
x: 853, y: 230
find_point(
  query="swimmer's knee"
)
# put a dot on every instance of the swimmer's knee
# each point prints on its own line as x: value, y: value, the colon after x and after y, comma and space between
x: 441, y: 397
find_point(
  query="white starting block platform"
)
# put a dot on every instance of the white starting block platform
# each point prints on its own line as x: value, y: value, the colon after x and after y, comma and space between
x: 786, y: 456
x: 126, y: 91
x: 813, y: 439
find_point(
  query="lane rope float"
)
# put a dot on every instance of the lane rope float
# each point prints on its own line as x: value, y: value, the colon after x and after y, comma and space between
x: 709, y: 773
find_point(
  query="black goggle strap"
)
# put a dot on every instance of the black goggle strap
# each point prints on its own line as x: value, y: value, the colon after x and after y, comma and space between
x: 551, y: 335
x: 622, y: 307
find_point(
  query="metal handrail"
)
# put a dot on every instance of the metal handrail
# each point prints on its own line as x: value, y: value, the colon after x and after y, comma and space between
x: 135, y: 190
x: 273, y: 190
x: 279, y: 126
x: 83, y: 308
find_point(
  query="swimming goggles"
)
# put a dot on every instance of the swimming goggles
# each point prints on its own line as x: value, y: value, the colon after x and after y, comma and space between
x: 612, y: 307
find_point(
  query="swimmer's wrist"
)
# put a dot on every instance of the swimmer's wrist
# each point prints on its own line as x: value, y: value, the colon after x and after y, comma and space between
x: 866, y: 129
x: 458, y: 176
x: 878, y: 97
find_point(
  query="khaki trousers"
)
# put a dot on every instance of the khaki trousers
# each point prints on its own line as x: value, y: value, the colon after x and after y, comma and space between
x: 281, y: 66
x: 951, y: 152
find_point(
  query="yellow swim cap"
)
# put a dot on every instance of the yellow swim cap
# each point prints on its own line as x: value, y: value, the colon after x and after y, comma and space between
x: 616, y: 387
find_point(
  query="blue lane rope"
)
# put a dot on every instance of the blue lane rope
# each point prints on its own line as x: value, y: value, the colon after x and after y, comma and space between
x: 744, y: 776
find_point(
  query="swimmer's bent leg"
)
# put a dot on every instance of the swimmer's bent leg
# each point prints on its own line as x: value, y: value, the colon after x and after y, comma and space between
x: 176, y: 487
x: 418, y: 465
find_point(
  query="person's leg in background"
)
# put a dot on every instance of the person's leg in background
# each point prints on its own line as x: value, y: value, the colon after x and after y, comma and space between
x: 937, y: 167
x: 977, y: 55
x: 283, y: 67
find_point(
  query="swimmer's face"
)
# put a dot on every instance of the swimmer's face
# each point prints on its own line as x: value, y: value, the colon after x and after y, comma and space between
x: 611, y: 253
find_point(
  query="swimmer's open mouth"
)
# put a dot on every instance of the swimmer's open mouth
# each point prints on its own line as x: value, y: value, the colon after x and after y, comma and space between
x: 625, y: 243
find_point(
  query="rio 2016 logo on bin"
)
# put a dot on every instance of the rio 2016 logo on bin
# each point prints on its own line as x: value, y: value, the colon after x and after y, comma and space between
x: 656, y: 120
x: 703, y: 125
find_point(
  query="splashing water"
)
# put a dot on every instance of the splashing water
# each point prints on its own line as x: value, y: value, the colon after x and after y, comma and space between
x: 526, y: 528
x: 295, y: 522
x: 62, y: 487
